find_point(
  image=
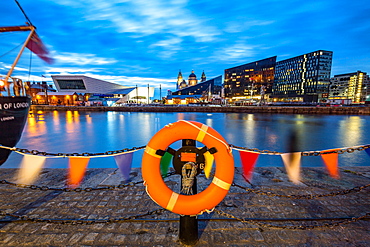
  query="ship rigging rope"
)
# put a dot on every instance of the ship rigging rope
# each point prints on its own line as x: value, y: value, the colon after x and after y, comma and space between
x: 11, y: 50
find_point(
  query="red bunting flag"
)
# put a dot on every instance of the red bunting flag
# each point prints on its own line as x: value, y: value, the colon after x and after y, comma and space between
x: 248, y: 160
x: 36, y: 46
x: 292, y: 163
x: 77, y: 169
x: 331, y: 162
x: 124, y: 162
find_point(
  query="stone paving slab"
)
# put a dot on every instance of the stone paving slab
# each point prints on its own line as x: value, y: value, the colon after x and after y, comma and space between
x: 162, y: 229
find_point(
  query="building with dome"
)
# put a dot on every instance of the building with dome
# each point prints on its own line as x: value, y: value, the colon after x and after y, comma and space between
x: 206, y: 91
x: 192, y: 80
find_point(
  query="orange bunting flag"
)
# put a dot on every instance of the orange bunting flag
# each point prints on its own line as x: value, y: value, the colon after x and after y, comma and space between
x: 30, y: 168
x: 77, y: 168
x: 331, y: 163
x: 292, y: 163
x: 248, y: 160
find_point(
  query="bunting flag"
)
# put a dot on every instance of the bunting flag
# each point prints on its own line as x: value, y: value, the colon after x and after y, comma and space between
x: 292, y: 163
x: 30, y: 168
x: 77, y: 168
x: 331, y: 163
x: 36, y: 46
x: 209, y: 163
x: 367, y: 150
x: 124, y: 162
x: 248, y: 160
x: 165, y: 163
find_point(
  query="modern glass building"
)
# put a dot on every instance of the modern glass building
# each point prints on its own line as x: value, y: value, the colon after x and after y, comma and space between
x: 250, y: 81
x: 101, y: 90
x: 303, y: 78
x: 353, y: 86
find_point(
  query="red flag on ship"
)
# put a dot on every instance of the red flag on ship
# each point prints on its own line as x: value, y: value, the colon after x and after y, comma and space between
x: 36, y: 46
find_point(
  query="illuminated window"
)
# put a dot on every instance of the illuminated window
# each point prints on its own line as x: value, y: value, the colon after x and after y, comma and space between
x: 71, y: 84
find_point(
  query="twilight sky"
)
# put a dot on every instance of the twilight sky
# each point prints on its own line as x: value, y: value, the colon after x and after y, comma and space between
x: 142, y: 42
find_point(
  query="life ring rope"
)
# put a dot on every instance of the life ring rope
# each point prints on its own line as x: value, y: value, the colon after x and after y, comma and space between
x: 220, y: 183
x: 152, y: 152
x: 204, y: 132
x: 172, y: 202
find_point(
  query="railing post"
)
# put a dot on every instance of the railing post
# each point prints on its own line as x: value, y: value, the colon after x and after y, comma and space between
x: 188, y: 233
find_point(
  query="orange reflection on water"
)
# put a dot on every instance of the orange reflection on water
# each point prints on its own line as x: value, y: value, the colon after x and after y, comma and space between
x: 36, y: 124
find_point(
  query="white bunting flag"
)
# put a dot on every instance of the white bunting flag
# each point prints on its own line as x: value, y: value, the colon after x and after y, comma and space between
x: 292, y: 162
x: 30, y: 168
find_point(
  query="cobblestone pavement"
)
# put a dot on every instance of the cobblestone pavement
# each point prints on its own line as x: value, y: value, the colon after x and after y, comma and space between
x: 96, y: 218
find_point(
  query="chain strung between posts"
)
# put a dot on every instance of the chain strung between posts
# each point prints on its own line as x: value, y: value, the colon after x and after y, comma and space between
x: 294, y: 227
x: 334, y: 223
x: 25, y: 218
x: 85, y: 154
x: 131, y: 184
x: 306, y: 153
x: 309, y: 196
x: 88, y: 189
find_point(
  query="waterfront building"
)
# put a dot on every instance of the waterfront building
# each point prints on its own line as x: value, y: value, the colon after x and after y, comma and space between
x: 303, y: 78
x: 251, y: 81
x: 33, y: 89
x: 353, y: 86
x: 100, y: 92
x: 204, y: 91
x: 192, y: 80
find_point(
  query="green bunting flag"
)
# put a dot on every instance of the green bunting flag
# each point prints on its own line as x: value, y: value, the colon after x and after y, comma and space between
x: 165, y: 163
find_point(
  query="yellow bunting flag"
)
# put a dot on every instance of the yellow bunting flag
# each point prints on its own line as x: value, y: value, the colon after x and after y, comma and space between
x: 248, y: 160
x: 30, y: 168
x: 331, y: 163
x: 77, y: 168
x: 209, y: 163
x: 292, y: 163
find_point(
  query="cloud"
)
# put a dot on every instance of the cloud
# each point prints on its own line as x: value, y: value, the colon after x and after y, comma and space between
x: 71, y: 58
x: 235, y: 52
x: 135, y: 80
x: 143, y: 18
x: 242, y: 26
x: 70, y: 70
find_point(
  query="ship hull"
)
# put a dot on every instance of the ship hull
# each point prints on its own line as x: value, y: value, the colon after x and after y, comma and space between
x: 13, y: 117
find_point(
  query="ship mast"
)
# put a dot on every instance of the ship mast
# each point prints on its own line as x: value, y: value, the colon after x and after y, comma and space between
x: 30, y: 28
x: 15, y: 29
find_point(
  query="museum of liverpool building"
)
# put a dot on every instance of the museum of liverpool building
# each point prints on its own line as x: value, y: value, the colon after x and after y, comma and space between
x: 84, y: 90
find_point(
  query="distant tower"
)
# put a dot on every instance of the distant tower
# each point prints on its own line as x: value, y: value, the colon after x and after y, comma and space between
x: 192, y: 79
x: 179, y: 80
x: 203, y: 78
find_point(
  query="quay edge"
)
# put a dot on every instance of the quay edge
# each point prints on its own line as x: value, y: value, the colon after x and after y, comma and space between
x: 223, y: 109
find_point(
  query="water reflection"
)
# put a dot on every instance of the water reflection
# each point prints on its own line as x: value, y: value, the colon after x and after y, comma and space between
x: 72, y: 131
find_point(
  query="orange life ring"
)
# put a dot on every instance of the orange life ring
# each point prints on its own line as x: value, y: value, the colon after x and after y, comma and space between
x: 187, y: 204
